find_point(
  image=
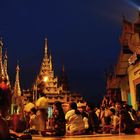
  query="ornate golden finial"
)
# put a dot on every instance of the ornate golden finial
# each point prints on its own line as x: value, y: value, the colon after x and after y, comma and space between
x: 17, y: 68
x: 46, y: 45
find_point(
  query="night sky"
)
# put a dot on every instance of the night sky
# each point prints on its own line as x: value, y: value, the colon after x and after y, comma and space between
x: 82, y: 34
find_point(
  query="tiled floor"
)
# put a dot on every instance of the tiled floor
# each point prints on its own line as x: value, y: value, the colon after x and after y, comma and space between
x: 91, y: 137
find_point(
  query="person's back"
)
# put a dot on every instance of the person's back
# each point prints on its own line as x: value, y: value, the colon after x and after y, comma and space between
x: 93, y: 121
x: 75, y: 123
x: 92, y: 118
x: 126, y: 122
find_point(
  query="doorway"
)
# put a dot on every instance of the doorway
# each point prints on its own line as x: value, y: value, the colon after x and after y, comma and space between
x: 138, y: 92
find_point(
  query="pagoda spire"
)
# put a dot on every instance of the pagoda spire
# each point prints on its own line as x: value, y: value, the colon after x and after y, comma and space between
x: 5, y: 67
x: 46, y: 47
x: 5, y: 59
x: 1, y: 63
x: 1, y: 46
x: 47, y: 82
x: 17, y: 90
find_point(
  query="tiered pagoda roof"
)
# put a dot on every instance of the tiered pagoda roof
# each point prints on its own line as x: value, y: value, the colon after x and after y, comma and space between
x: 3, y: 64
x: 46, y: 81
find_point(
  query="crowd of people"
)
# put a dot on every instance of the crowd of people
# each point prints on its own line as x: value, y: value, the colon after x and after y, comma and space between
x: 113, y: 117
x: 110, y: 117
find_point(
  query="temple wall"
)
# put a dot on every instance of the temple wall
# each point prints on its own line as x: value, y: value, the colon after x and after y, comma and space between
x: 124, y: 89
x: 134, y: 79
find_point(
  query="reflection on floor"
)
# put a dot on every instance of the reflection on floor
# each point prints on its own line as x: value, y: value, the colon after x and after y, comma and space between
x: 91, y: 137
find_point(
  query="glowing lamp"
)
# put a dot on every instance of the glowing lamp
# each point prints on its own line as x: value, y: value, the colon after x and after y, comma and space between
x: 46, y: 79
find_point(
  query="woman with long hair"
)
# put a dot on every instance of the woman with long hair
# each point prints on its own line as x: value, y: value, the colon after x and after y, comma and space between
x: 58, y: 120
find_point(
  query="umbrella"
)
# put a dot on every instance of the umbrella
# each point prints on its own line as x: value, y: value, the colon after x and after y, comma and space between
x: 28, y: 107
x: 42, y: 103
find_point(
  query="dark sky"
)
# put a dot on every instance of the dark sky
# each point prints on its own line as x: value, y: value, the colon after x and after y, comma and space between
x: 83, y: 34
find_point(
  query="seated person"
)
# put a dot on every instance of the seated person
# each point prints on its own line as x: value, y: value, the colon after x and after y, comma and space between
x: 33, y: 122
x: 58, y: 120
x: 84, y: 116
x: 5, y: 100
x: 92, y: 119
x: 113, y: 127
x: 127, y: 124
x: 74, y: 121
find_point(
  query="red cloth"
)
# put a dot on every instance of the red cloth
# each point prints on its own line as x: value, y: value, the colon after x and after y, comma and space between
x: 3, y: 86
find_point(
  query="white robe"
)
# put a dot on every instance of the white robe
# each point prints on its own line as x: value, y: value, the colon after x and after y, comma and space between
x: 74, y: 122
